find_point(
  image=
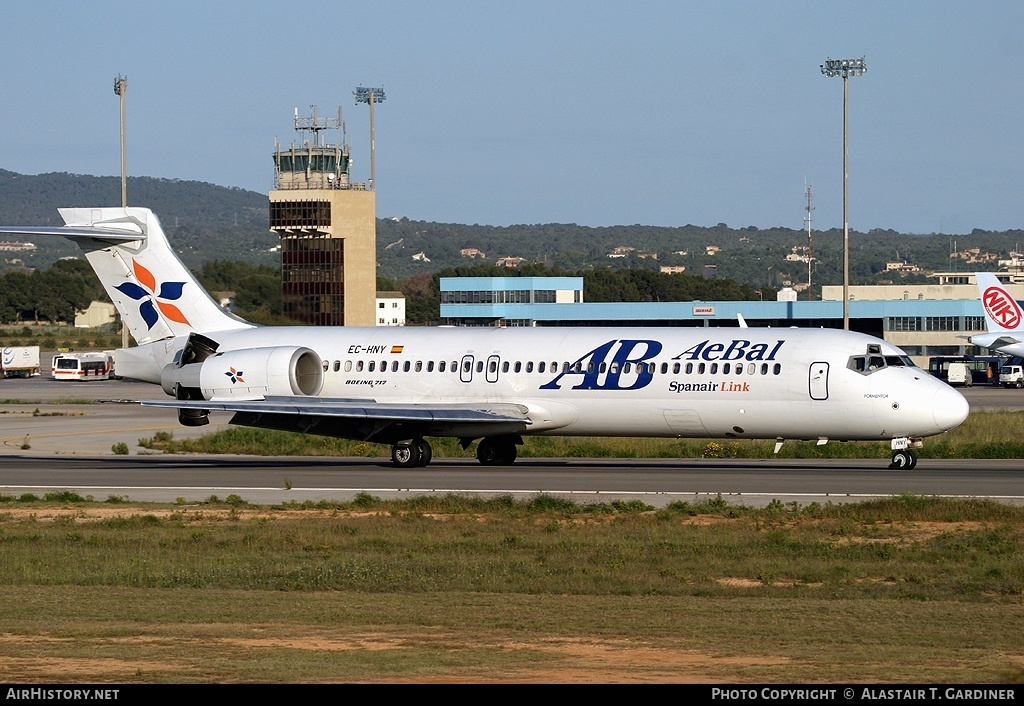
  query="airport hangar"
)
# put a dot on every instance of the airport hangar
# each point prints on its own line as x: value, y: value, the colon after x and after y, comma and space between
x: 924, y: 320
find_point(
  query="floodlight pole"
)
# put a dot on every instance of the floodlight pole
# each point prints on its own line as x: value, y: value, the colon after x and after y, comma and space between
x: 845, y: 68
x: 371, y: 96
x: 121, y: 89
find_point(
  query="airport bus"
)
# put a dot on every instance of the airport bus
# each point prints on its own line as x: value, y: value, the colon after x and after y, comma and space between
x: 983, y: 369
x: 82, y: 366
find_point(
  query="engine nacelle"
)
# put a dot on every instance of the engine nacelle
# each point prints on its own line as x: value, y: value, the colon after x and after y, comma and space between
x: 252, y: 373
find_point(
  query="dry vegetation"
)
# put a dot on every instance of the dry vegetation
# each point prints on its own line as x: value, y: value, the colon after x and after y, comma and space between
x: 460, y: 590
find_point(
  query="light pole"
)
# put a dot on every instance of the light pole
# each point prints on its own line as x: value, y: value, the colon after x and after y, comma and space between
x: 371, y: 96
x: 845, y: 68
x: 121, y: 89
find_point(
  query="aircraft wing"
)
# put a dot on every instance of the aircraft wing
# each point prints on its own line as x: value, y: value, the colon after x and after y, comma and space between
x: 991, y: 340
x: 359, y: 409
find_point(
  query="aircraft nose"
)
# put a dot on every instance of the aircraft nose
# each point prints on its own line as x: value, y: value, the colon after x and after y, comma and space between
x: 949, y: 408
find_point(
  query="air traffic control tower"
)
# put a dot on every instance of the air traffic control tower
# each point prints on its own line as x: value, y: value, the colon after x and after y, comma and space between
x: 328, y: 229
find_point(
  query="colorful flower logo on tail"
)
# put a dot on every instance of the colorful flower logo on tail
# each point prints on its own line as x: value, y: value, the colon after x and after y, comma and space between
x: 152, y: 299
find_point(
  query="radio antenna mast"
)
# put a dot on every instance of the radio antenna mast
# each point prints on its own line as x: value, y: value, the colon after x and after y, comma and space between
x: 810, y: 240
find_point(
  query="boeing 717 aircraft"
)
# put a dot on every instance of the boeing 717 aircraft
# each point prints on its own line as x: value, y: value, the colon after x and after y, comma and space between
x: 1003, y: 316
x: 401, y: 385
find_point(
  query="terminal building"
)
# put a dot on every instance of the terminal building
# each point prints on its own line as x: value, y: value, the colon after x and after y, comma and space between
x: 328, y: 230
x: 924, y: 320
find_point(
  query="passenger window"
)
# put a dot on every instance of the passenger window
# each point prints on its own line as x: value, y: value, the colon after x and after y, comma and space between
x: 394, y: 366
x: 337, y: 366
x: 529, y: 367
x: 751, y: 369
x: 406, y: 366
x: 726, y: 368
x: 540, y: 367
x: 777, y: 369
x: 327, y: 364
x: 359, y: 366
x: 441, y: 366
x: 430, y: 366
x: 714, y: 368
x: 689, y: 368
x: 372, y: 366
x: 518, y: 367
x: 348, y: 366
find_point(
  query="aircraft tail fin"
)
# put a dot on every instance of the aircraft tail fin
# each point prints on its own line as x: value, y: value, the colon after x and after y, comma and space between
x: 153, y: 291
x: 1002, y: 313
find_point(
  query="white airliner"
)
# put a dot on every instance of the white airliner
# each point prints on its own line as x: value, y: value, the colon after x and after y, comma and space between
x: 399, y: 385
x: 1003, y: 316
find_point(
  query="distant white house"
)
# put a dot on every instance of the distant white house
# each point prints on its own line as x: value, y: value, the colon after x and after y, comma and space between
x: 390, y: 309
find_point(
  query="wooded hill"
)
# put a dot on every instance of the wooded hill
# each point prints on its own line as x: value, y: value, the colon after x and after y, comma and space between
x: 206, y: 222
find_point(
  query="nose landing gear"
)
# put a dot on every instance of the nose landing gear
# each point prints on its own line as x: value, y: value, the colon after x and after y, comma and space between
x: 904, y: 460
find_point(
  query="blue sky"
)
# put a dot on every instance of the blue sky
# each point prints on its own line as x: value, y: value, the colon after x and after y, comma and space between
x: 598, y: 113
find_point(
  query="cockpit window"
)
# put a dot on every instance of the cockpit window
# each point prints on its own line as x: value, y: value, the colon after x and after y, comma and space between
x: 868, y: 364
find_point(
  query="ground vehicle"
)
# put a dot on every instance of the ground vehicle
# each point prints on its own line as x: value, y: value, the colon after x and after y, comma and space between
x: 81, y: 366
x: 1011, y: 376
x: 20, y: 361
x: 959, y: 374
x: 984, y: 368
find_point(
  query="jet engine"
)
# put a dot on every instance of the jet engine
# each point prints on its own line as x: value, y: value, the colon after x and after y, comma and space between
x: 248, y: 374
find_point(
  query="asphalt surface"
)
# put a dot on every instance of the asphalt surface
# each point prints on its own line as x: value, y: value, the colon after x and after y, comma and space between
x: 56, y: 436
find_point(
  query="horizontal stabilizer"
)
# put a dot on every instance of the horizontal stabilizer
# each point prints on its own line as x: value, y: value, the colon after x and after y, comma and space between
x: 103, y: 235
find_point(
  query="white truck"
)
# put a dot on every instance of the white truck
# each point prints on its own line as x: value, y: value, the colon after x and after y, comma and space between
x: 20, y: 361
x: 1011, y: 376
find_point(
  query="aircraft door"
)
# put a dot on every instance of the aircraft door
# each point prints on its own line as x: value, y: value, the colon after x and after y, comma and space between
x: 492, y: 368
x: 817, y: 381
x: 466, y: 369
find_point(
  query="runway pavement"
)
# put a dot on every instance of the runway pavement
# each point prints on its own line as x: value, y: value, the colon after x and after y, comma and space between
x: 69, y: 436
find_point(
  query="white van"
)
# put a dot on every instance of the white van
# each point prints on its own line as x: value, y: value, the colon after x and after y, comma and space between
x: 959, y: 374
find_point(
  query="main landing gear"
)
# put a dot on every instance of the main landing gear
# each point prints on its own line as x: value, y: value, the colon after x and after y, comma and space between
x: 491, y: 451
x: 497, y: 451
x: 411, y: 454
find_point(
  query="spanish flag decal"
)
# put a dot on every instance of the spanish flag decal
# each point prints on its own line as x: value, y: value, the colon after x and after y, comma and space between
x: 397, y: 349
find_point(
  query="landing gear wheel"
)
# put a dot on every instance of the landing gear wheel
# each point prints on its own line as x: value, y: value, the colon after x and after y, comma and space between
x: 406, y: 455
x: 425, y: 452
x: 496, y: 451
x: 904, y: 460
